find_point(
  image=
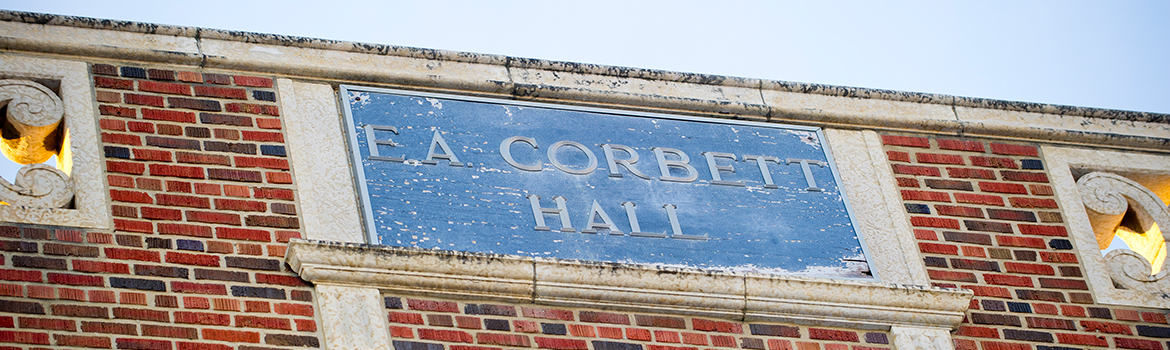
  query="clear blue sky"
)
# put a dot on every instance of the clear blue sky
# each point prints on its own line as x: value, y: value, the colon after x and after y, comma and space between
x: 1112, y: 54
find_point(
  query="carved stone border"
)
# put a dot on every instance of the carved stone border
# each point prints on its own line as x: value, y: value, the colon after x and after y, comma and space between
x: 734, y: 296
x: 82, y: 160
x: 1061, y: 161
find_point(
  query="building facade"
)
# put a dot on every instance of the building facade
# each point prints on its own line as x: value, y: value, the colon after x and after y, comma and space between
x: 207, y: 197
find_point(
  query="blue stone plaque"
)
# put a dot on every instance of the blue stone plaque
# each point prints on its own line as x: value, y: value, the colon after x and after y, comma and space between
x: 508, y: 177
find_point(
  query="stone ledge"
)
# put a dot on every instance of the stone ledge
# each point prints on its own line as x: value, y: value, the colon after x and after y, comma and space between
x: 745, y: 297
x: 528, y: 63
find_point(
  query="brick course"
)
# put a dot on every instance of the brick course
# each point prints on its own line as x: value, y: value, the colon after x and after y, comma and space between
x: 155, y: 281
x: 1010, y: 257
x: 417, y: 323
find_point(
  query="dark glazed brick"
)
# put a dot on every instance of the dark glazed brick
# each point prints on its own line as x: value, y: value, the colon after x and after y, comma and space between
x: 284, y: 208
x: 660, y: 321
x: 876, y: 338
x: 35, y: 233
x: 750, y: 343
x: 298, y: 340
x: 139, y: 284
x: 1019, y: 307
x: 158, y: 74
x: 270, y: 150
x: 220, y: 79
x: 1060, y: 244
x: 128, y: 240
x: 198, y: 132
x: 1040, y: 295
x: 497, y: 325
x: 168, y: 142
x: 257, y: 292
x: 1014, y: 215
x: 66, y: 249
x: 39, y: 263
x: 220, y: 275
x: 987, y: 226
x: 1034, y: 336
x: 917, y: 208
x: 1025, y: 255
x: 440, y: 320
x: 553, y: 328
x: 272, y: 221
x: 993, y: 305
x: 21, y: 307
x: 1152, y: 331
x: 217, y: 146
x: 1005, y: 320
x: 302, y: 295
x: 14, y: 246
x: 235, y: 175
x: 610, y: 345
x: 225, y: 119
x: 104, y: 69
x: 393, y: 303
x: 413, y: 345
x: 134, y: 72
x: 160, y: 271
x: 1032, y: 164
x: 939, y: 184
x: 252, y: 263
x: 932, y: 262
x: 117, y: 152
x: 161, y: 243
x: 1070, y: 271
x: 264, y: 95
x: 80, y: 311
x: 1100, y: 312
x: 490, y: 309
x: 967, y: 237
x: 196, y: 104
x: 775, y: 330
x: 968, y: 264
x: 187, y: 244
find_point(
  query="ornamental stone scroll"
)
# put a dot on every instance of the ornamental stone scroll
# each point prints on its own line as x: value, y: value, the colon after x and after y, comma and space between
x: 31, y: 135
x: 1108, y: 197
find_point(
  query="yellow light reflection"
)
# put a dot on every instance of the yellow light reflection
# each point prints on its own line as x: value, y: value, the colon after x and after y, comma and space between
x: 1149, y: 244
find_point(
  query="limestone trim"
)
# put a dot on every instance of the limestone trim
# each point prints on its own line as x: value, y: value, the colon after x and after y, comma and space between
x: 733, y: 296
x: 320, y: 162
x: 80, y: 167
x: 583, y: 84
x: 351, y: 317
x: 1063, y: 161
x: 873, y: 194
x: 915, y: 338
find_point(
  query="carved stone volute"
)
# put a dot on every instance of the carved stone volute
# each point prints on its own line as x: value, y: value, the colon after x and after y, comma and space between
x: 30, y: 136
x: 1108, y: 197
x: 34, y: 114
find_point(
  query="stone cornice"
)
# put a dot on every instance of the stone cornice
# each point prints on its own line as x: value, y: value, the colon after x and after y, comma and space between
x: 581, y: 68
x: 735, y: 296
x: 582, y: 84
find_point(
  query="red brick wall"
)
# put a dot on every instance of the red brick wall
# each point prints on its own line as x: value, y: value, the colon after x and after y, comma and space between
x: 985, y: 219
x: 202, y: 202
x: 429, y: 324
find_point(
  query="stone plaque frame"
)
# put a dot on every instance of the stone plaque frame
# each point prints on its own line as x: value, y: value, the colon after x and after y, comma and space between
x: 364, y: 193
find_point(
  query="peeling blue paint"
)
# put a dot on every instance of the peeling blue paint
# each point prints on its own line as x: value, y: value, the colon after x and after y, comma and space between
x: 473, y: 199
